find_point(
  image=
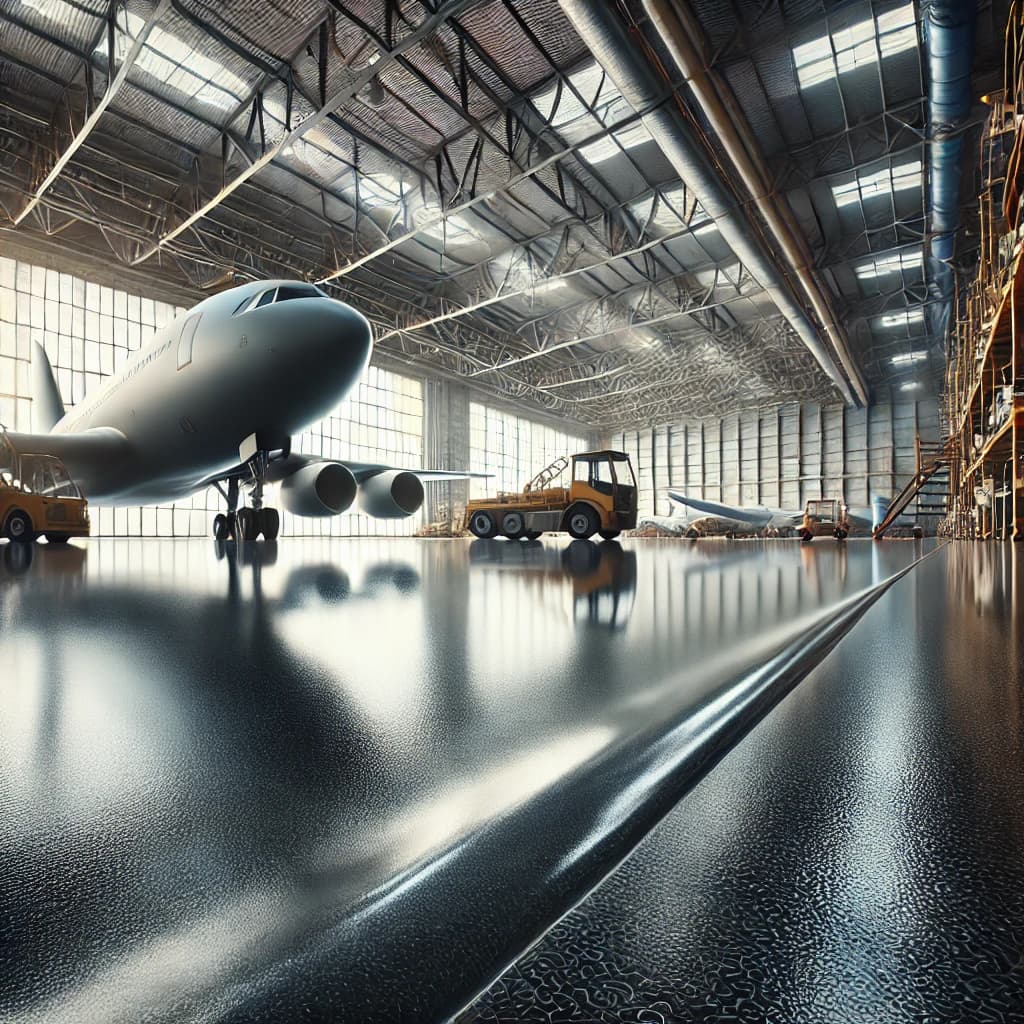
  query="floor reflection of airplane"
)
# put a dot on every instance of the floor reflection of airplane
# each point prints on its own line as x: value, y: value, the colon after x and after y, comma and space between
x: 761, y: 517
x: 215, y: 399
x: 602, y: 576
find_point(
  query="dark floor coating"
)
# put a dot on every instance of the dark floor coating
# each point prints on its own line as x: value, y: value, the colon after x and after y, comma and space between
x: 858, y: 858
x: 345, y: 779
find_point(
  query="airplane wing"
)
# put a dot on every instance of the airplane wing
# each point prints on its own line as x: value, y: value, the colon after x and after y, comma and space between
x: 753, y: 516
x: 90, y: 456
x: 283, y: 468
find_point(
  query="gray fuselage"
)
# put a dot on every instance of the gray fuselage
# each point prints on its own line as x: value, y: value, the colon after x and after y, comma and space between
x: 183, y: 411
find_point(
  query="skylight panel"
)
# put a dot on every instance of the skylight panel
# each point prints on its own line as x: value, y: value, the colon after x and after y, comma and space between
x: 670, y: 209
x: 178, y: 66
x: 889, y: 264
x: 593, y: 85
x: 377, y: 190
x: 910, y: 316
x: 606, y: 148
x: 909, y: 358
x: 855, y: 46
x: 452, y: 229
x: 878, y: 183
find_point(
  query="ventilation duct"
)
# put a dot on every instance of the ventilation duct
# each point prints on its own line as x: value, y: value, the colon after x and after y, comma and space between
x: 602, y: 31
x: 948, y: 31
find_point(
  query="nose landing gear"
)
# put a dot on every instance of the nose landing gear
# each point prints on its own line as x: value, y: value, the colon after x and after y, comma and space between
x: 248, y: 523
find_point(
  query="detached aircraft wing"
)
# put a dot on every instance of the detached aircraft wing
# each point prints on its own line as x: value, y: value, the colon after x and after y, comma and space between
x: 751, y: 516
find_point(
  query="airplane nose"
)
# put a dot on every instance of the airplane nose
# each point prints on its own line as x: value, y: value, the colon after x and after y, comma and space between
x: 345, y: 345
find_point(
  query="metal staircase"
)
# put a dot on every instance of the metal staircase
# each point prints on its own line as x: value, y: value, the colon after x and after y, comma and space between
x: 929, y: 485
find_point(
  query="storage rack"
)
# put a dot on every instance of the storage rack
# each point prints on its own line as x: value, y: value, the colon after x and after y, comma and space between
x: 984, y: 388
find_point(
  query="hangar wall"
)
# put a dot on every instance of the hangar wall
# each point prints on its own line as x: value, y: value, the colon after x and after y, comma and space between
x: 781, y: 457
x: 463, y: 430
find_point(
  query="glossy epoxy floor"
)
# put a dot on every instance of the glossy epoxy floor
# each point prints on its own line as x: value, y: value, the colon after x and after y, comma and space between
x: 355, y: 780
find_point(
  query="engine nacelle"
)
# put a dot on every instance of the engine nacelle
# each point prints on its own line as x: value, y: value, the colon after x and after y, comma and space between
x: 320, y: 489
x: 391, y: 495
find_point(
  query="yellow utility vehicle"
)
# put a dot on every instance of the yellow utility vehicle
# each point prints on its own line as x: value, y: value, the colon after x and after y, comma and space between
x: 601, y: 498
x: 38, y: 496
x: 825, y: 517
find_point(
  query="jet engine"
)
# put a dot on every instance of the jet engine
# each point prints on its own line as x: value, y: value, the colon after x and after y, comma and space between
x: 320, y: 489
x: 394, y: 494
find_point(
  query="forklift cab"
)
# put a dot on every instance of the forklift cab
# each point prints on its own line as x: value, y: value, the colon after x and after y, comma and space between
x: 607, y: 473
x: 823, y: 518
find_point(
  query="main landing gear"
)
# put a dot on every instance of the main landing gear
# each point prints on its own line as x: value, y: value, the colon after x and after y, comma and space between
x: 248, y: 523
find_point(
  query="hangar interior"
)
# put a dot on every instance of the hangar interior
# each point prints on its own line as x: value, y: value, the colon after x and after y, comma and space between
x: 369, y: 768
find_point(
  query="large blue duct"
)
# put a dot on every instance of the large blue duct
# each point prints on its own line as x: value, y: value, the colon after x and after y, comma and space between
x: 948, y: 30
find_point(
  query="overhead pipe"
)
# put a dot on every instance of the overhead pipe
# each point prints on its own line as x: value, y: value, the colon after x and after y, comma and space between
x: 948, y: 31
x: 604, y: 34
x: 683, y: 37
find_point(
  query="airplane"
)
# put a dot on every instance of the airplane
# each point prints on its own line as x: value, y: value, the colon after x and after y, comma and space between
x: 760, y: 517
x: 215, y: 398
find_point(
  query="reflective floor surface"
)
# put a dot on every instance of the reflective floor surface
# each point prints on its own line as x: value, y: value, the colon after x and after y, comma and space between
x: 356, y: 779
x: 858, y: 858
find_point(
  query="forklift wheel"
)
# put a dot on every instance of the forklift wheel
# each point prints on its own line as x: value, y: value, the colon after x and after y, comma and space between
x: 19, y: 528
x: 482, y: 524
x: 513, y: 525
x: 581, y: 522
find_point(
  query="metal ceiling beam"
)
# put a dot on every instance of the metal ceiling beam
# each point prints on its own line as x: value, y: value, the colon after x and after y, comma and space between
x: 424, y: 30
x: 453, y: 211
x: 616, y: 51
x: 113, y: 88
x: 492, y: 300
x: 621, y: 329
x: 684, y: 38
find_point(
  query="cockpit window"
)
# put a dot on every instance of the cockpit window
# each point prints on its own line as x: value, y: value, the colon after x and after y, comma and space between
x: 281, y: 294
x: 298, y: 291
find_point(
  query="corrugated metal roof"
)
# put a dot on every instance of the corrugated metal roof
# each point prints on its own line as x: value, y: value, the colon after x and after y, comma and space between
x: 665, y: 314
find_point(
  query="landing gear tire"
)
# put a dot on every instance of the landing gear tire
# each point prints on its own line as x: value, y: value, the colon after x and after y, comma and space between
x: 840, y: 535
x: 19, y: 528
x: 609, y: 534
x: 581, y: 522
x: 246, y: 527
x: 271, y: 523
x: 57, y: 538
x: 513, y: 525
x: 532, y: 534
x: 221, y: 528
x: 482, y: 524
x: 806, y: 536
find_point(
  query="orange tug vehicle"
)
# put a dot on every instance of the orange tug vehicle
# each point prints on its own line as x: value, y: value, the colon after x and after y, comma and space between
x: 601, y: 498
x: 37, y: 497
x: 823, y: 518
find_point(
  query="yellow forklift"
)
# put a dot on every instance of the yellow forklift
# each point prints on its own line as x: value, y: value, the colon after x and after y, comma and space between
x: 601, y: 498
x: 38, y: 496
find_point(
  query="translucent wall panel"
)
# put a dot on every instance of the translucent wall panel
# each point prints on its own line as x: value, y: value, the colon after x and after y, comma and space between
x: 781, y: 457
x: 381, y: 421
x: 512, y: 448
x: 89, y: 331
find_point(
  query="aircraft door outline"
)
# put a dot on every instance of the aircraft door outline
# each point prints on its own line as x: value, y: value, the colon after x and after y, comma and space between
x: 188, y: 333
